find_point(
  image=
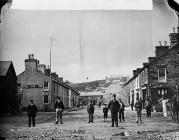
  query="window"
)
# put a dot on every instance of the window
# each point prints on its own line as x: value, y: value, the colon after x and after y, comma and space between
x: 46, y: 86
x: 45, y: 99
x: 162, y: 75
x: 163, y: 93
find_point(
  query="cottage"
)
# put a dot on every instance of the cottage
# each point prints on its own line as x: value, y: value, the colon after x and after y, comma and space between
x: 8, y: 87
x: 35, y: 83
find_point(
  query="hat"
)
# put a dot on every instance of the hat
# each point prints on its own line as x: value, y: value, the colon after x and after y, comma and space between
x: 114, y: 95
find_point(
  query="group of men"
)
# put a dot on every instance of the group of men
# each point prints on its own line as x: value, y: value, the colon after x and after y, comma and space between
x: 32, y: 111
x: 115, y: 107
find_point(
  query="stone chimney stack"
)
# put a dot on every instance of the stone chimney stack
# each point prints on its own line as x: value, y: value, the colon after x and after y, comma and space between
x: 30, y: 63
x: 174, y: 37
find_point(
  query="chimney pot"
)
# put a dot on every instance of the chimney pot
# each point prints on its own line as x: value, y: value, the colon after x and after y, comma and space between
x: 29, y: 56
x: 173, y: 29
x: 160, y: 43
x: 165, y: 43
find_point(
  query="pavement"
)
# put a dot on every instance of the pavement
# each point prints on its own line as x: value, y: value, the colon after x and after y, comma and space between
x: 76, y: 127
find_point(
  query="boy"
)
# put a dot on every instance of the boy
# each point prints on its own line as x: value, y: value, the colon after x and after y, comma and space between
x: 105, y: 111
x: 59, y: 107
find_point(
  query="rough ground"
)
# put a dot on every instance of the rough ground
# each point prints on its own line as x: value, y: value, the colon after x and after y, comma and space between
x: 76, y: 127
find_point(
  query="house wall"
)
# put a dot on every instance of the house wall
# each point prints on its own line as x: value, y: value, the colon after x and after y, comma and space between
x: 170, y: 61
x: 34, y: 93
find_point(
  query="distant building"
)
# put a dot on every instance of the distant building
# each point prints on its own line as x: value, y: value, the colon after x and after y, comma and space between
x: 8, y: 87
x: 34, y: 83
x: 95, y: 96
x: 159, y: 77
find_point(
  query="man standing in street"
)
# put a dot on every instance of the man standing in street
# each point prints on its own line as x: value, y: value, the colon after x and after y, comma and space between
x: 59, y: 107
x: 138, y: 107
x: 114, y: 107
x: 90, y: 110
x: 31, y: 113
x: 148, y: 107
x: 121, y: 110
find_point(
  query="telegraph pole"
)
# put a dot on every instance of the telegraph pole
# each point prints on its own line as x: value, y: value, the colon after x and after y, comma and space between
x: 51, y: 43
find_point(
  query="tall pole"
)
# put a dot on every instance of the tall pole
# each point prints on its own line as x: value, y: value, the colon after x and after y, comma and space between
x: 51, y: 40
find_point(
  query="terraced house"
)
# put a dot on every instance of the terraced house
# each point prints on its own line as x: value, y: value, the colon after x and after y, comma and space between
x: 159, y: 77
x: 34, y: 83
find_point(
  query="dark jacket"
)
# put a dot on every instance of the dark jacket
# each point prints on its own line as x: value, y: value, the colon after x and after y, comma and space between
x: 122, y: 106
x: 105, y: 110
x: 90, y: 108
x: 114, y: 106
x: 138, y: 106
x: 32, y: 110
x: 59, y: 105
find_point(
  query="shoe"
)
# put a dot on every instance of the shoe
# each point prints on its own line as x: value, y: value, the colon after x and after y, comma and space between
x: 56, y: 122
x: 88, y: 122
x: 112, y: 125
x: 136, y: 121
x: 61, y: 122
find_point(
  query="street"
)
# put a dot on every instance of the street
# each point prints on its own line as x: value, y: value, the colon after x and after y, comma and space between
x: 76, y: 126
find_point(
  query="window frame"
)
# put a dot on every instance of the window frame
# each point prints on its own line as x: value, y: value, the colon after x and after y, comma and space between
x: 165, y: 77
x: 47, y: 99
x: 46, y: 89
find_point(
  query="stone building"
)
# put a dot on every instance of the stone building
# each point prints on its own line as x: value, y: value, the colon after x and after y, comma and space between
x: 159, y: 77
x: 8, y: 88
x: 95, y: 96
x: 34, y: 83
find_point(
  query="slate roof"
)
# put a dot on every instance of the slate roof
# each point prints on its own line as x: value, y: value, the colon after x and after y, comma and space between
x: 4, y: 67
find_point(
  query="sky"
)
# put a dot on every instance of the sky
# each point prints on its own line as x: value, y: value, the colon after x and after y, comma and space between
x: 89, y: 43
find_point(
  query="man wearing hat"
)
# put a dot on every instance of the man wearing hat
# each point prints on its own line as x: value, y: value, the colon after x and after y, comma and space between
x: 90, y: 110
x: 114, y: 107
x: 31, y: 113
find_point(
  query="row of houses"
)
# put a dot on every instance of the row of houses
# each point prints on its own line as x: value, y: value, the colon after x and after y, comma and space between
x: 159, y: 77
x: 35, y: 83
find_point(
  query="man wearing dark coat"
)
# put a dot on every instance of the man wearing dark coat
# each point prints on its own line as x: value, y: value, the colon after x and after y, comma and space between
x: 31, y: 113
x: 114, y: 107
x: 59, y: 107
x: 90, y: 110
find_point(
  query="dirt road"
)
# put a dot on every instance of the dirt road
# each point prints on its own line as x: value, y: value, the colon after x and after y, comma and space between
x: 76, y: 126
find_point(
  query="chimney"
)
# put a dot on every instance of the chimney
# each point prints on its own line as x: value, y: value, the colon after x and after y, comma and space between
x: 47, y: 71
x: 165, y: 43
x: 145, y: 64
x: 159, y: 50
x: 41, y: 67
x: 134, y: 72
x: 173, y: 29
x: 32, y: 56
x: 150, y: 59
x: 30, y: 64
x: 160, y: 43
x: 138, y: 70
x: 174, y: 37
